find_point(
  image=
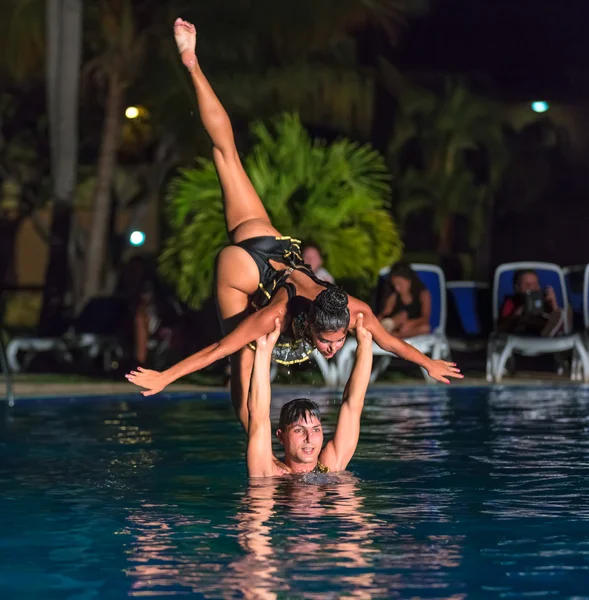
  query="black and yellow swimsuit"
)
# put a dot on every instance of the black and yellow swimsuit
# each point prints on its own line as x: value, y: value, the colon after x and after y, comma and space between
x: 320, y: 468
x: 294, y: 346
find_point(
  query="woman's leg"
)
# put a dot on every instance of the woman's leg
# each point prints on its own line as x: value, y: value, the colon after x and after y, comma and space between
x: 236, y: 268
x: 237, y: 275
x: 245, y: 214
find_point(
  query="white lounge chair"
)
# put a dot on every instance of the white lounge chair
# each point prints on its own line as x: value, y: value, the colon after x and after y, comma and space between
x: 502, y: 346
x: 434, y: 344
x: 328, y: 369
x: 93, y: 334
x: 577, y: 366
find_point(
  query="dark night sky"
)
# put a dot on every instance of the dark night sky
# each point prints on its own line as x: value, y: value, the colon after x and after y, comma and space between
x: 515, y: 48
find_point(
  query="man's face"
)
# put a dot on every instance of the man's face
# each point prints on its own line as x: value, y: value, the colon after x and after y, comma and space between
x: 329, y: 342
x: 312, y: 258
x: 302, y: 440
x: 528, y: 282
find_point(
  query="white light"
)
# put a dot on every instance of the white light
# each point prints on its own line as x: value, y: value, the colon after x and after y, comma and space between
x: 137, y: 238
x: 540, y: 106
x: 132, y: 112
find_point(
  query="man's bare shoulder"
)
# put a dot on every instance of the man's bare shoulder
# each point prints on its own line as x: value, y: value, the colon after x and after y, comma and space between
x: 278, y: 469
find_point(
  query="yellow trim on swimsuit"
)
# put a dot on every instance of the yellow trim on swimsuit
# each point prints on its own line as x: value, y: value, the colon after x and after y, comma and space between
x: 320, y: 468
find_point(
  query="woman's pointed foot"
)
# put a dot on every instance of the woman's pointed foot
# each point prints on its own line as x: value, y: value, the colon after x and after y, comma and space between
x: 185, y: 35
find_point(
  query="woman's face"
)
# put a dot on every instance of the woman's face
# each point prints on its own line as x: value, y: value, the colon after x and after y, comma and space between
x: 329, y: 342
x: 401, y: 284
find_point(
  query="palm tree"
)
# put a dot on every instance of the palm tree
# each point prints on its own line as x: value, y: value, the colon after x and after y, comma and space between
x: 120, y: 43
x: 337, y: 195
x: 294, y: 56
x: 439, y: 132
x: 64, y: 54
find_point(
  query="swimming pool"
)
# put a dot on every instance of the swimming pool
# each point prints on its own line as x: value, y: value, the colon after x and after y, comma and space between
x: 453, y: 493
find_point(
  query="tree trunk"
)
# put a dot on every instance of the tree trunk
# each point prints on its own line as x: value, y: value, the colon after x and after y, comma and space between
x: 64, y: 43
x: 446, y: 236
x: 9, y: 227
x: 105, y: 173
x: 483, y: 252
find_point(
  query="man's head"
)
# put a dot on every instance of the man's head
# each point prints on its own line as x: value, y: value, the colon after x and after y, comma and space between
x: 300, y: 432
x: 526, y: 280
x: 312, y: 257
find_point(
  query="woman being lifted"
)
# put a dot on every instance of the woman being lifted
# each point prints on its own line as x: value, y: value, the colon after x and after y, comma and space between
x: 261, y: 276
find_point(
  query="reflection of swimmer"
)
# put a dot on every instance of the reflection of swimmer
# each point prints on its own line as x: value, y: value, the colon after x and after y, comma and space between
x: 300, y: 430
x: 261, y: 276
x: 348, y: 542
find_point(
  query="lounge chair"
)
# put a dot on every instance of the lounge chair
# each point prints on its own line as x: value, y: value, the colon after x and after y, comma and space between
x: 434, y: 344
x: 501, y: 346
x: 573, y: 278
x: 94, y: 334
x: 469, y: 315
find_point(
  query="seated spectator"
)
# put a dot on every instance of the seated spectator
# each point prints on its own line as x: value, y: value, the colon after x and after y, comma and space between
x: 530, y: 310
x: 312, y: 257
x: 407, y: 307
x: 155, y: 312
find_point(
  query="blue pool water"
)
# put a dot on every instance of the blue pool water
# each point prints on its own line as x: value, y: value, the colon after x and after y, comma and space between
x: 453, y: 493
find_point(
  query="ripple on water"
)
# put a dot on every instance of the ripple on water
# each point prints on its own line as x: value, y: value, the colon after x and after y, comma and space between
x: 453, y: 493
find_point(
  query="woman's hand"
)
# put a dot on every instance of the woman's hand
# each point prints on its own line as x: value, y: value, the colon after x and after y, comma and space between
x: 440, y: 370
x: 401, y: 318
x: 152, y: 381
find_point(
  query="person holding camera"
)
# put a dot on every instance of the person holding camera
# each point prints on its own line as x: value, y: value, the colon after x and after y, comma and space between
x: 531, y: 310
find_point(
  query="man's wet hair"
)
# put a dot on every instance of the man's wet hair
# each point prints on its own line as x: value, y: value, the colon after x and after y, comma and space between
x: 296, y: 409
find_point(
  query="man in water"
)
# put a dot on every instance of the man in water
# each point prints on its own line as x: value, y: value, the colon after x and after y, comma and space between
x: 300, y: 430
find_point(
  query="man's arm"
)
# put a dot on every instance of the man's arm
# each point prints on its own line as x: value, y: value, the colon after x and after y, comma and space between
x: 260, y: 461
x: 338, y: 452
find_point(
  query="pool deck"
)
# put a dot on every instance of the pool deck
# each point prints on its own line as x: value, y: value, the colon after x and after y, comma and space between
x: 39, y: 389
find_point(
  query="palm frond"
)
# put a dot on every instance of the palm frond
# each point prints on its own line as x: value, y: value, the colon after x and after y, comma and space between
x: 337, y: 195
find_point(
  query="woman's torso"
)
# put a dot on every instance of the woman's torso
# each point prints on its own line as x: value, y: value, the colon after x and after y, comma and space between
x: 412, y: 306
x: 294, y: 344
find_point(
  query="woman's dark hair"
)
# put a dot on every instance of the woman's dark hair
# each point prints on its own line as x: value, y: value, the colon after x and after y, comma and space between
x: 296, y: 409
x: 329, y: 311
x: 402, y: 269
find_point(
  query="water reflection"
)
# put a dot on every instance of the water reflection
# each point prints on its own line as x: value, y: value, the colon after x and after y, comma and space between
x: 279, y: 526
x: 472, y: 494
x: 295, y: 537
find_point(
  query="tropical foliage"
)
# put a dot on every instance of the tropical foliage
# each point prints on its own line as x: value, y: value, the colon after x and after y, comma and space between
x: 334, y: 194
x: 294, y: 56
x: 448, y: 157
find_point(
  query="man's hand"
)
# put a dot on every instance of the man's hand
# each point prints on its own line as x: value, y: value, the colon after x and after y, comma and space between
x: 266, y: 343
x: 363, y: 336
x: 551, y: 297
x: 440, y: 370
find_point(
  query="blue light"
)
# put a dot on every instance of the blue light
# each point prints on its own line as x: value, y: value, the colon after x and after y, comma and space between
x: 540, y: 106
x: 137, y: 238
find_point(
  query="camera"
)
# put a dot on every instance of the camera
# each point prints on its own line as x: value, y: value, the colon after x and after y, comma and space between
x: 533, y: 302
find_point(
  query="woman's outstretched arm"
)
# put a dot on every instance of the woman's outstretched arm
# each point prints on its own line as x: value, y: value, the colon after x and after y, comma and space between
x: 439, y: 370
x: 255, y: 325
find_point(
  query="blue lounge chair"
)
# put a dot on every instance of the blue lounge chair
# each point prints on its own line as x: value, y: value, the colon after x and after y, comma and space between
x: 434, y: 343
x: 573, y: 278
x: 502, y: 346
x: 469, y: 315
